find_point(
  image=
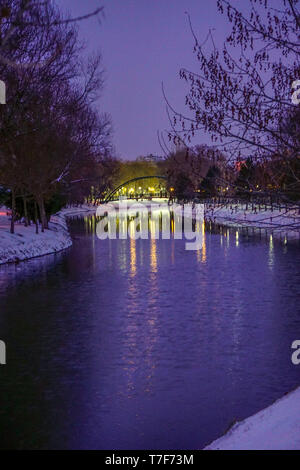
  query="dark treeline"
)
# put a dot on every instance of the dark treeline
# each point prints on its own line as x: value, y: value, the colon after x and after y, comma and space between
x: 202, y: 172
x: 54, y: 143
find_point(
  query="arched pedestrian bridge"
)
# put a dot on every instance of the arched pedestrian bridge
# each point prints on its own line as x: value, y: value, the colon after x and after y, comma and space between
x: 134, y: 192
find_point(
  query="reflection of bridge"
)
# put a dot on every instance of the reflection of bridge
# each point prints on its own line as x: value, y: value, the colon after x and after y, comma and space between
x: 133, y: 180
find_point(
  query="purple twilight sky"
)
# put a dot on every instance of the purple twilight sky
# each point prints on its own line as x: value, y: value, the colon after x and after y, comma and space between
x: 145, y: 43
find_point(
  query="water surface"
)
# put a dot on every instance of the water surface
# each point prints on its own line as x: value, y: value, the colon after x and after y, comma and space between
x: 140, y: 344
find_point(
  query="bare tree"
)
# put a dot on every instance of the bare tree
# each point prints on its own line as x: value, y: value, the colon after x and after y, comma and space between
x: 49, y: 126
x: 241, y: 95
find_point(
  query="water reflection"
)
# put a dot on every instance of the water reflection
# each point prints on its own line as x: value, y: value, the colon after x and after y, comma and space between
x: 201, y: 252
x: 133, y: 256
x: 139, y: 343
x: 165, y: 223
x: 153, y: 256
x: 237, y: 238
x: 271, y: 252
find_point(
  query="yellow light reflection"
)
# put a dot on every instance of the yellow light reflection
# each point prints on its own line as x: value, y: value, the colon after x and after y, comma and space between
x: 237, y: 238
x: 132, y: 257
x: 172, y: 226
x: 201, y: 254
x: 153, y: 255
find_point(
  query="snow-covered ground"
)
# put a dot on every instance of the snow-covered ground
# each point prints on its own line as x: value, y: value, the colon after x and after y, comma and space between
x: 274, y: 428
x: 145, y: 202
x: 284, y: 223
x: 76, y: 210
x: 25, y: 243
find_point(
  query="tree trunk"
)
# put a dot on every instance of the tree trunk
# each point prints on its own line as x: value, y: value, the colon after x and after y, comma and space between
x: 36, y: 218
x: 44, y: 220
x: 25, y: 211
x: 13, y: 211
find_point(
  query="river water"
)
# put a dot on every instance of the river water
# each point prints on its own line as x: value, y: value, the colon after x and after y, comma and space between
x: 141, y: 344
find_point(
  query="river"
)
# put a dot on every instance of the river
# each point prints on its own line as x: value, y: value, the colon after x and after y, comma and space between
x: 141, y: 344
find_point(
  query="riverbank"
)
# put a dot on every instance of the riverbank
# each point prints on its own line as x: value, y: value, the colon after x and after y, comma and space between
x: 25, y: 243
x: 281, y: 223
x: 274, y: 428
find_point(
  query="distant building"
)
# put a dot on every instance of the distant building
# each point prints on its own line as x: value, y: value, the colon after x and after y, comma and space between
x: 152, y: 158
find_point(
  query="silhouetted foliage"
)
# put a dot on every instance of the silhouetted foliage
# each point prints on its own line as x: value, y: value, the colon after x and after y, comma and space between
x: 241, y: 95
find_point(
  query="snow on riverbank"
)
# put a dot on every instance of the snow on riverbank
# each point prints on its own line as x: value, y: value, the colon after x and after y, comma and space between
x: 25, y: 243
x: 274, y: 428
x: 128, y: 203
x: 284, y: 223
x: 76, y: 210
